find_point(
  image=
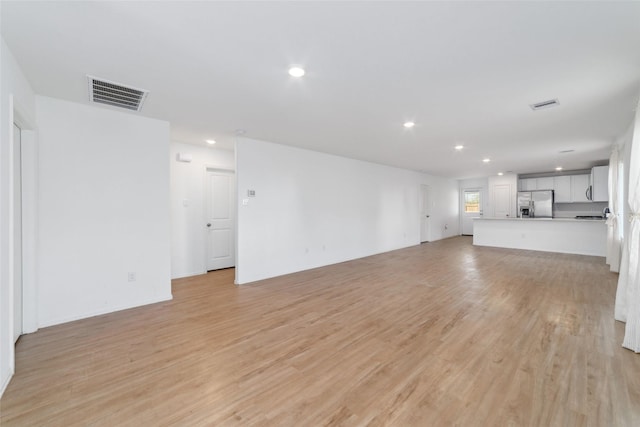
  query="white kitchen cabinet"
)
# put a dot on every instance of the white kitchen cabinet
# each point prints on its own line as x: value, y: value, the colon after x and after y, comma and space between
x: 544, y: 183
x: 579, y: 187
x: 600, y: 184
x: 562, y: 189
x: 529, y: 184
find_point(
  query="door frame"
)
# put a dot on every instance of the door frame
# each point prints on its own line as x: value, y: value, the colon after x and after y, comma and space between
x: 29, y: 220
x: 226, y: 169
x: 421, y: 203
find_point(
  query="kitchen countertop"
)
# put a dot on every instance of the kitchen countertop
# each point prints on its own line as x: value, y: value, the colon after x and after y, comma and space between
x: 541, y: 219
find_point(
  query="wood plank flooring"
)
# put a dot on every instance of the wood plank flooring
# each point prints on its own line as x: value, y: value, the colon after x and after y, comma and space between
x: 440, y: 334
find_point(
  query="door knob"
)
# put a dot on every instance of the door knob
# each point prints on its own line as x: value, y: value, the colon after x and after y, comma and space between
x: 208, y: 224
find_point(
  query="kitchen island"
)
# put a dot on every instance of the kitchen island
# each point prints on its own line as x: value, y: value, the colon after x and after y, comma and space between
x: 565, y: 235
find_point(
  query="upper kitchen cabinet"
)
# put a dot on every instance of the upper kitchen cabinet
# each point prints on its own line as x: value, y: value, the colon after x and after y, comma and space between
x: 562, y: 189
x: 600, y: 184
x: 533, y: 184
x: 580, y: 188
x: 544, y: 183
x: 528, y: 184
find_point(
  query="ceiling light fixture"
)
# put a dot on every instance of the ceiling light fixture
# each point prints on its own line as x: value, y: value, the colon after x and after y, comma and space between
x: 409, y: 125
x: 500, y: 174
x: 296, y: 71
x: 559, y: 168
x: 211, y: 141
x: 487, y: 160
x: 459, y: 147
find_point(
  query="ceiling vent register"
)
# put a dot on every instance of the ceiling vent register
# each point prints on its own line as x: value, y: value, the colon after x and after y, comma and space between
x: 544, y: 104
x: 110, y: 93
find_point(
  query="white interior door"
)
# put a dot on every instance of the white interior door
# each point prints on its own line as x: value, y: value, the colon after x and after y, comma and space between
x: 425, y: 214
x: 220, y: 203
x: 17, y: 233
x: 502, y: 200
x: 471, y: 208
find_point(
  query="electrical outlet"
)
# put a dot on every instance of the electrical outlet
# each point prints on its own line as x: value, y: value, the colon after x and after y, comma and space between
x: 132, y: 276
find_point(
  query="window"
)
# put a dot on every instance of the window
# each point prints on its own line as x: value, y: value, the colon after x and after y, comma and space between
x: 471, y: 201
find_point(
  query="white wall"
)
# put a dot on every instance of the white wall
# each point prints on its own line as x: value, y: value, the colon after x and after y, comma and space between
x: 187, y: 208
x: 104, y: 210
x: 313, y: 209
x: 15, y: 94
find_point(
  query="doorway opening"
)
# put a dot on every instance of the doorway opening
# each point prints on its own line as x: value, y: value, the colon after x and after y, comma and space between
x: 17, y: 234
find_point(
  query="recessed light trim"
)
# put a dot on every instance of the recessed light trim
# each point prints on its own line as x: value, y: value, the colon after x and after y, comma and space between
x: 486, y: 160
x: 211, y: 141
x: 296, y: 71
x: 409, y: 125
x: 458, y: 147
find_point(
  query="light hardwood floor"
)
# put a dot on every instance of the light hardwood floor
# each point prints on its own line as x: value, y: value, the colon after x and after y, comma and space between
x: 440, y: 334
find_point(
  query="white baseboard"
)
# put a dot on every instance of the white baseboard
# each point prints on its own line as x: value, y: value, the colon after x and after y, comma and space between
x: 183, y: 275
x: 5, y: 383
x: 51, y: 322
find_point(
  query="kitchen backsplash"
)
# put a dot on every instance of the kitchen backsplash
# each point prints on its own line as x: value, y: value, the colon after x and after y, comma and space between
x: 570, y: 210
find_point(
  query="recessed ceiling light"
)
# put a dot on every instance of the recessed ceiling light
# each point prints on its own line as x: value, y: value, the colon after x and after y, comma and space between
x: 409, y: 124
x: 296, y: 72
x: 559, y: 168
x: 459, y: 147
x: 500, y: 174
x: 487, y: 160
x: 211, y: 141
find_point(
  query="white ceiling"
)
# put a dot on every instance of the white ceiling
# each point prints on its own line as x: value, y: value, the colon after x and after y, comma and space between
x: 465, y: 72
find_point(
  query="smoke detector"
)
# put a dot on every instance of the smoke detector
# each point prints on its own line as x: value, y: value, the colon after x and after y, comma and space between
x: 103, y: 91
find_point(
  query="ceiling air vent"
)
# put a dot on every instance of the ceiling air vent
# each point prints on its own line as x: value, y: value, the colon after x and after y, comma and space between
x: 105, y: 92
x: 544, y: 104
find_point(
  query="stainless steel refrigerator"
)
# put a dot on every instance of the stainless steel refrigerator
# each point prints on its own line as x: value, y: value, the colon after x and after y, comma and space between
x: 535, y: 204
